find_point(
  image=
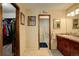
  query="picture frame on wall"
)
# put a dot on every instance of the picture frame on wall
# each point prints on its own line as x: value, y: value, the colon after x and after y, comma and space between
x: 31, y: 20
x: 22, y: 16
x: 56, y: 23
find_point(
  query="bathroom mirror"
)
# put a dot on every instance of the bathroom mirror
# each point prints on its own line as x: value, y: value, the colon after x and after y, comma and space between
x: 56, y: 23
x: 75, y: 23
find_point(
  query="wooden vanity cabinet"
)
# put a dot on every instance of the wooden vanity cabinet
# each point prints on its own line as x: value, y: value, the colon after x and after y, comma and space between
x: 67, y: 47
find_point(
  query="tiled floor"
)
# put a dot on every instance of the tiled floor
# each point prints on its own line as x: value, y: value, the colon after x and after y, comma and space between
x: 55, y: 52
x: 43, y: 52
x: 7, y: 50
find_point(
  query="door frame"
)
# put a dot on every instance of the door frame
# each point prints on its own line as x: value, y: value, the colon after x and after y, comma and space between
x: 17, y: 40
x: 1, y: 32
x: 49, y: 29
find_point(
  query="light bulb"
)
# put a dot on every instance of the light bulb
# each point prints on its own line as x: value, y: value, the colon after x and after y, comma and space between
x: 72, y: 13
x: 77, y: 11
x: 68, y: 14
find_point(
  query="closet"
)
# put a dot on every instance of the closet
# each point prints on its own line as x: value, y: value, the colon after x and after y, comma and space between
x: 8, y: 27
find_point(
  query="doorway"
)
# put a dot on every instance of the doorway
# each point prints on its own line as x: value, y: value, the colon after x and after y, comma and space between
x: 44, y: 31
x: 10, y: 29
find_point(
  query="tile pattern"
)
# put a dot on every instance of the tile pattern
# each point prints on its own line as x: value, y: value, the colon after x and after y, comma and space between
x: 7, y: 50
x: 55, y: 52
x: 43, y: 52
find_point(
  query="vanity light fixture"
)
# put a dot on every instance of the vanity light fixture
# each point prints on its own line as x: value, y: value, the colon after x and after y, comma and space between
x: 68, y: 14
x: 72, y: 13
x: 77, y: 11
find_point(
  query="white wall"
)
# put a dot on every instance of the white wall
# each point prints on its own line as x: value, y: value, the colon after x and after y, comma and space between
x: 57, y: 14
x: 23, y: 31
x: 8, y: 10
x: 9, y: 15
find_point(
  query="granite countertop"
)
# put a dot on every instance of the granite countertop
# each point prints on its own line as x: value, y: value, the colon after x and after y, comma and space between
x: 70, y: 37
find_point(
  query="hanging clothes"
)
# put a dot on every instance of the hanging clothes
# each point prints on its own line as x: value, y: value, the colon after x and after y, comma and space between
x: 8, y: 30
x: 5, y: 29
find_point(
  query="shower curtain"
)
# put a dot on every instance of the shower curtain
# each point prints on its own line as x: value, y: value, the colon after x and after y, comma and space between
x: 44, y: 31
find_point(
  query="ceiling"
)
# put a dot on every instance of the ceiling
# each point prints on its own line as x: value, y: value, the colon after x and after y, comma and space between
x: 8, y: 8
x: 61, y: 6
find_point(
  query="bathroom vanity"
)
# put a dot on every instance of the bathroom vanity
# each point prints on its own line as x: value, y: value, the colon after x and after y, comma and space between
x: 68, y: 45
